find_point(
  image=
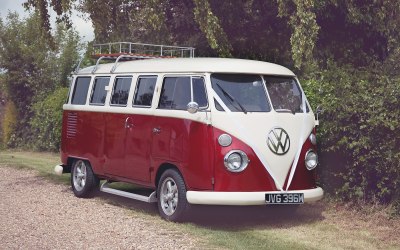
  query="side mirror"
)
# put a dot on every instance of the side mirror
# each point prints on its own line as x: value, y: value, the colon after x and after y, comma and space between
x: 318, y: 110
x: 192, y: 107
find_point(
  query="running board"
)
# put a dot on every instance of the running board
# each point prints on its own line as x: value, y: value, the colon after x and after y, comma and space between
x: 149, y: 199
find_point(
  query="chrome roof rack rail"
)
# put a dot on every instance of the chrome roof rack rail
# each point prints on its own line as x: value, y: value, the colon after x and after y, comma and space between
x: 137, y: 57
x: 79, y: 66
x: 141, y: 49
x: 98, y: 61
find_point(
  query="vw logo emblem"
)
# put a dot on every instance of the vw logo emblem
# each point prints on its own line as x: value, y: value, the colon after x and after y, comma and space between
x: 278, y: 141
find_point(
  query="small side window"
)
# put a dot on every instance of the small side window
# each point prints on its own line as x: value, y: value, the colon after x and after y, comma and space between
x: 80, y: 90
x: 99, y: 92
x: 175, y: 93
x: 144, y: 91
x: 199, y: 92
x: 71, y: 81
x: 121, y: 89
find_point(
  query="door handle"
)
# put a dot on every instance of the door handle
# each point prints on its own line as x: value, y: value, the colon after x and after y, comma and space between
x: 156, y: 130
x: 128, y: 122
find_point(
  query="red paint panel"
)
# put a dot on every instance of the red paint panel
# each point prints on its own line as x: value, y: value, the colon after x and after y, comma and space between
x: 186, y: 144
x: 254, y: 178
x: 115, y: 140
x: 137, y: 148
x: 88, y: 140
x: 303, y: 178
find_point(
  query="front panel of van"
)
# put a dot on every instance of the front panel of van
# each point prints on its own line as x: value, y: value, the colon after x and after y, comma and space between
x: 274, y: 139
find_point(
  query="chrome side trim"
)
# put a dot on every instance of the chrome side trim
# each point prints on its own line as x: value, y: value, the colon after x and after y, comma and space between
x: 149, y: 199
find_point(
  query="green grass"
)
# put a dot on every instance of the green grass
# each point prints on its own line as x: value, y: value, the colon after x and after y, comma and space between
x: 317, y: 226
x: 44, y: 163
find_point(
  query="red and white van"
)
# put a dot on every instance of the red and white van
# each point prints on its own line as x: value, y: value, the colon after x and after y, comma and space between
x: 194, y: 130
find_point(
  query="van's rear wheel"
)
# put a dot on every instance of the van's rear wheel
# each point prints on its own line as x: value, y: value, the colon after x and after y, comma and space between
x: 171, y: 195
x: 83, y: 181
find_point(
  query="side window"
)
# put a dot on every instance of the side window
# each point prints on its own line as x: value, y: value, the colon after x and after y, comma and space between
x: 175, y: 93
x: 99, y: 92
x: 144, y: 91
x: 80, y: 90
x: 199, y: 91
x: 71, y: 81
x: 121, y: 89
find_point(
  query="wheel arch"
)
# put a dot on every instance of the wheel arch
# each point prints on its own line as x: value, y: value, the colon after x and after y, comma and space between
x: 164, y: 167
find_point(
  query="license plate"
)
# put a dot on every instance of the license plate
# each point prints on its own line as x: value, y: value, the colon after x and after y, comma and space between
x: 284, y: 198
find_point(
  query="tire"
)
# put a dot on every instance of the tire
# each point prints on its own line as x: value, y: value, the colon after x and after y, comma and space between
x: 83, y: 181
x: 171, y: 196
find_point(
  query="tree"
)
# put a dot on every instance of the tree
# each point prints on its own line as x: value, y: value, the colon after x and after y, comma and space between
x: 345, y: 51
x: 33, y: 67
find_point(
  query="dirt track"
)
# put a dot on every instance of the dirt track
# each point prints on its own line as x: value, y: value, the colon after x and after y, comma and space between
x: 35, y: 213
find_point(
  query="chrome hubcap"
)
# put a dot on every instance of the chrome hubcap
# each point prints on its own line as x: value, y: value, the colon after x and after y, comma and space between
x: 169, y: 196
x: 79, y: 175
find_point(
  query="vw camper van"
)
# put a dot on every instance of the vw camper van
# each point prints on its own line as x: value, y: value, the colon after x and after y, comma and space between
x: 209, y: 131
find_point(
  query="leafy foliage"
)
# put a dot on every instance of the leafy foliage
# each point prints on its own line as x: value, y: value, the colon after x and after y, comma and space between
x: 33, y: 67
x: 360, y: 126
x: 347, y: 52
x: 9, y: 122
x: 47, y: 120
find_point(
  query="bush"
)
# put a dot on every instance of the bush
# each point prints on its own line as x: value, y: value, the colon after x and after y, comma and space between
x: 359, y: 132
x: 9, y: 123
x: 47, y: 121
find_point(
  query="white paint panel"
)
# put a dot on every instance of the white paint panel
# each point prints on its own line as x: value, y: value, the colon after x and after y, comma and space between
x: 258, y: 125
x: 191, y: 65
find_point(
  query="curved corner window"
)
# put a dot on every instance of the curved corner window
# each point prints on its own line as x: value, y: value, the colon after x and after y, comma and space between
x: 240, y: 92
x: 144, y: 91
x: 99, y: 91
x: 285, y: 94
x: 80, y: 90
x: 121, y: 89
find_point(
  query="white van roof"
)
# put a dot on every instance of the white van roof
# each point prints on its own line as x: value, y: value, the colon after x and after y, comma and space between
x: 191, y: 65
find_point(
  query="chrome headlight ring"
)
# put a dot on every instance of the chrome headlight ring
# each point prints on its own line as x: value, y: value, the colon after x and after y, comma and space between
x: 236, y: 161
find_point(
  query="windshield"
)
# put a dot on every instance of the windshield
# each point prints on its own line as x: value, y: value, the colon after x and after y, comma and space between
x: 240, y: 93
x: 285, y: 94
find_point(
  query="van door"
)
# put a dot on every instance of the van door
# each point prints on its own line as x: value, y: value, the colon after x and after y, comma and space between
x: 139, y: 131
x: 181, y: 138
x: 116, y: 123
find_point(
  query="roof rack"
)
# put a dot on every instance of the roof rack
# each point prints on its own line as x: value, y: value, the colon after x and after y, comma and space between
x: 122, y: 51
x: 141, y: 50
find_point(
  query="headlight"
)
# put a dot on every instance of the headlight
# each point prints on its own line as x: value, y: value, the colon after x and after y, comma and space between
x: 311, y: 160
x: 236, y: 161
x: 313, y: 139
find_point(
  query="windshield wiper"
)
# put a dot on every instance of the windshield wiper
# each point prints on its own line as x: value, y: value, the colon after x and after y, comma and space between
x: 232, y: 100
x: 285, y: 111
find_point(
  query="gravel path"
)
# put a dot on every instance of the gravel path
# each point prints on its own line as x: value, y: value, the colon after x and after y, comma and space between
x: 38, y: 214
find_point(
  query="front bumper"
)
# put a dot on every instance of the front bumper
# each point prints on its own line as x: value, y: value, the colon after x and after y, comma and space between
x: 245, y: 198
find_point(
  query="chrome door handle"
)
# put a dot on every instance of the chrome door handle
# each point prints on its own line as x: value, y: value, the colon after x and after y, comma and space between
x: 156, y: 130
x: 128, y: 123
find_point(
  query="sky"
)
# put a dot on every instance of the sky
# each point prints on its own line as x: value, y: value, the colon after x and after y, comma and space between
x: 84, y: 27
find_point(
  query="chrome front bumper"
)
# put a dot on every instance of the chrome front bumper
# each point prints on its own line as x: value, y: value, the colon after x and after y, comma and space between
x: 245, y: 198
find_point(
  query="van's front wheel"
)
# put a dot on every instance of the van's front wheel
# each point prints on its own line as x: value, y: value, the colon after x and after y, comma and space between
x: 171, y: 195
x: 83, y: 180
